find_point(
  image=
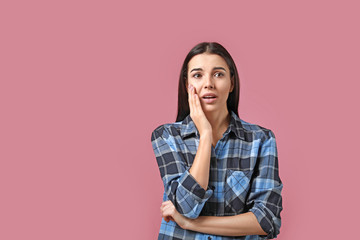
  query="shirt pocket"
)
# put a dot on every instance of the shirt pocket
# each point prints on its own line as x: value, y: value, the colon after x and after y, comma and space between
x: 237, y: 185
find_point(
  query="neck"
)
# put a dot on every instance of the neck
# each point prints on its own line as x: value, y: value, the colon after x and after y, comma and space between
x: 219, y: 120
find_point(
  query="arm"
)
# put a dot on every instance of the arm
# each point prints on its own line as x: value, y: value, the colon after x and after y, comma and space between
x: 264, y: 202
x: 239, y: 225
x: 201, y: 166
x: 265, y: 199
x: 181, y: 188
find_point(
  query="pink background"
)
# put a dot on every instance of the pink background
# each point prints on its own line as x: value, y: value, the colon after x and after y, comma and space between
x: 84, y: 83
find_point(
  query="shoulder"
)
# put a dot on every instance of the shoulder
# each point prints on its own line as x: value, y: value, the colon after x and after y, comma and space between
x: 166, y: 130
x: 257, y: 131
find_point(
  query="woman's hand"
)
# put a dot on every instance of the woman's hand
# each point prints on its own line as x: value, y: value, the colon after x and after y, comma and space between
x: 196, y: 112
x: 169, y: 212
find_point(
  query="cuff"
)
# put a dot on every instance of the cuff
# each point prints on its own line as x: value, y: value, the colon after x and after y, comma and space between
x: 193, y: 195
x: 265, y: 219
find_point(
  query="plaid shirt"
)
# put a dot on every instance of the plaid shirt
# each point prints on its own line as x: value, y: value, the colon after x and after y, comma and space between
x: 243, y: 176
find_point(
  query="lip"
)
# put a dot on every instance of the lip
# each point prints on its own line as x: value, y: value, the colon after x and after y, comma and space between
x: 209, y: 100
x: 209, y: 94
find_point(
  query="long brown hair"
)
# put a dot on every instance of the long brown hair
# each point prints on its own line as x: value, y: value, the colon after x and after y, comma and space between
x: 212, y: 48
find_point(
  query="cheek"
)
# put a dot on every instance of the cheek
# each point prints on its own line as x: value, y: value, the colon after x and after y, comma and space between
x: 225, y: 93
x: 225, y: 89
x: 197, y: 90
x: 196, y: 86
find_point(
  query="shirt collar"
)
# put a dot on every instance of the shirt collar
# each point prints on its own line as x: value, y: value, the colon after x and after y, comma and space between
x: 188, y: 127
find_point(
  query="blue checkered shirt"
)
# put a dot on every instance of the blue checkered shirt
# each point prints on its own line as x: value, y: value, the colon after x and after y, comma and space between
x: 243, y: 176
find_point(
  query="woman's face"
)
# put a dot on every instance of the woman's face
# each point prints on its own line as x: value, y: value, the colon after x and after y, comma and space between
x: 210, y: 74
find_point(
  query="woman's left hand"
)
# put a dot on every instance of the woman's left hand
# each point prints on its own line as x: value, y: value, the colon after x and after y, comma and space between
x: 169, y: 212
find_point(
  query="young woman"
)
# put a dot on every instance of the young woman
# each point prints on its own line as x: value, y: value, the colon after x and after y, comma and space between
x: 220, y: 173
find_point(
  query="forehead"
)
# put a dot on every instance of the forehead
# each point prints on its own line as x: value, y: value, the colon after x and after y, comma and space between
x: 206, y: 61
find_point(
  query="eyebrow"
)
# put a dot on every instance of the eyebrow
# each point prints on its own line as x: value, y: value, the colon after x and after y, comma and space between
x: 200, y: 69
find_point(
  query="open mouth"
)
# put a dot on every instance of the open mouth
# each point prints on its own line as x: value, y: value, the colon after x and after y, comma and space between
x: 208, y: 97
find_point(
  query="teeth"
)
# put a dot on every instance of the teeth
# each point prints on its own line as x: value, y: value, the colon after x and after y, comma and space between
x: 208, y: 97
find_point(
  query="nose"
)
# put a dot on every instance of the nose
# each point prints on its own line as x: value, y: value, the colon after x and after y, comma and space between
x: 209, y: 82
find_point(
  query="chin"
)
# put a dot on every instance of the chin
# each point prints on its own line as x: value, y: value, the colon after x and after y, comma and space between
x: 210, y: 108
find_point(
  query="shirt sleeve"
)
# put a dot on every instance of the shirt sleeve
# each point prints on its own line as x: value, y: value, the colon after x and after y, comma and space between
x: 180, y: 186
x: 265, y: 199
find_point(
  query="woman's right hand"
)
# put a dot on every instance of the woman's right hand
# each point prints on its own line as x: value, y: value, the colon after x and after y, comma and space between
x: 197, y: 114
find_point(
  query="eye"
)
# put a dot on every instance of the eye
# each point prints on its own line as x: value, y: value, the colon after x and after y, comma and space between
x: 219, y: 74
x: 196, y: 75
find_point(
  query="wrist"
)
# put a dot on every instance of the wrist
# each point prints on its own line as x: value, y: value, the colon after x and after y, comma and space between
x: 188, y: 224
x: 206, y: 135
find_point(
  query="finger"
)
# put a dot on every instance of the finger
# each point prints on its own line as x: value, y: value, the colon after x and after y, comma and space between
x: 169, y: 218
x: 196, y: 106
x: 164, y: 211
x: 167, y: 214
x: 162, y: 208
x: 195, y: 98
x: 190, y: 99
x: 168, y: 210
x: 166, y: 203
x: 166, y: 207
x: 197, y: 102
x: 193, y: 92
x: 162, y: 205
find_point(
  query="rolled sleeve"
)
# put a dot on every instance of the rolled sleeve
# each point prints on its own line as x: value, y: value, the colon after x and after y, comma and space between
x: 265, y: 199
x: 180, y: 186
